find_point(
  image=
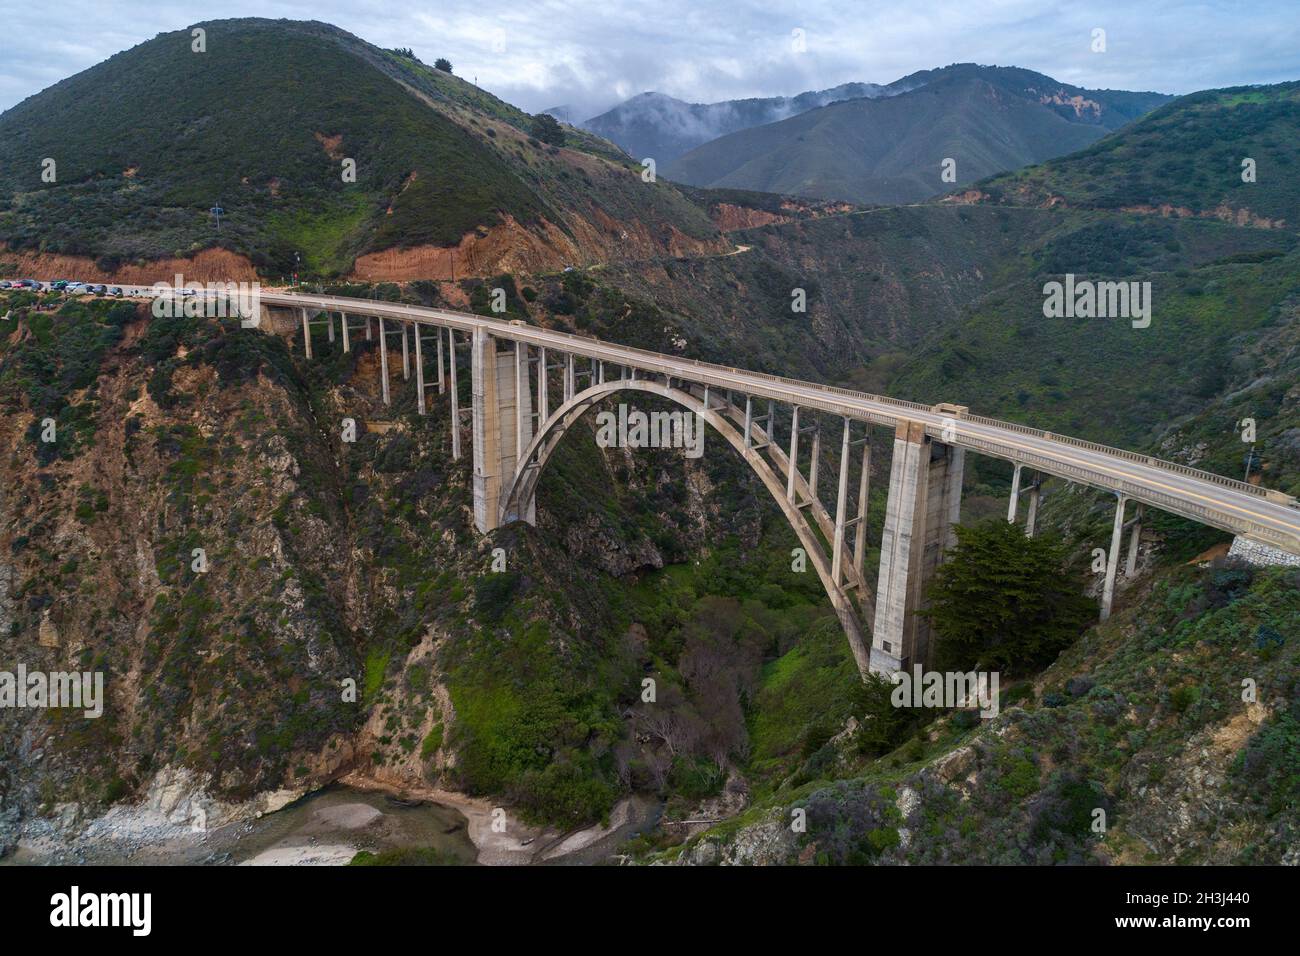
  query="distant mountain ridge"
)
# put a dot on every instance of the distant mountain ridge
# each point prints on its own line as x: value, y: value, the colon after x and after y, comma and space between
x: 663, y: 128
x: 892, y: 148
x: 659, y: 126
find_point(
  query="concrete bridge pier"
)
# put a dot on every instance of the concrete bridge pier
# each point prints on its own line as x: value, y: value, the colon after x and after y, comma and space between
x: 1033, y: 491
x: 453, y: 391
x: 1035, y: 494
x: 406, y: 352
x: 383, y: 359
x: 924, y: 504
x: 503, y: 427
x: 421, y: 387
x: 1112, y: 556
x: 1014, y: 503
x: 1135, y: 538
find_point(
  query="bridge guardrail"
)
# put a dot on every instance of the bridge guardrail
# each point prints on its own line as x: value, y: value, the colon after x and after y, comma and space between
x: 1166, y: 502
x: 1242, y: 486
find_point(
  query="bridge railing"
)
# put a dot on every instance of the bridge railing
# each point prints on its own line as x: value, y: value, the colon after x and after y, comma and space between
x: 1187, y: 470
x: 1213, y: 517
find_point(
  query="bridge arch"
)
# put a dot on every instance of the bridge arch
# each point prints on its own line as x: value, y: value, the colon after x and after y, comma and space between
x: 523, y: 483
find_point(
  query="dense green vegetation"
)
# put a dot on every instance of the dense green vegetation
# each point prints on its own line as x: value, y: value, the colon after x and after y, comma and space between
x: 1103, y: 735
x: 53, y: 375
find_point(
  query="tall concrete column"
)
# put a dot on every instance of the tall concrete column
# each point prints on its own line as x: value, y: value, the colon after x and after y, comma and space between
x: 487, y: 430
x: 924, y: 504
x: 306, y: 334
x: 1112, y: 557
x: 406, y: 354
x: 523, y: 407
x: 502, y: 425
x: 453, y: 391
x: 1135, y: 538
x: 419, y: 371
x: 441, y: 384
x: 794, y: 455
x: 816, y: 460
x: 383, y: 358
x: 864, y: 487
x: 1035, y: 492
x: 543, y: 388
x: 347, y: 344
x: 329, y: 318
x: 841, y: 510
x: 1015, y: 496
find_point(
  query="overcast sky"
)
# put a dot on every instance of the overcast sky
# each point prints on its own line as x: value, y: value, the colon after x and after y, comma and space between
x: 590, y: 54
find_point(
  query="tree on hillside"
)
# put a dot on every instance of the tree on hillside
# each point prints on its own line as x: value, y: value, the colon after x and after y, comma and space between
x: 1005, y: 602
x: 442, y: 63
x: 881, y: 725
x: 547, y: 129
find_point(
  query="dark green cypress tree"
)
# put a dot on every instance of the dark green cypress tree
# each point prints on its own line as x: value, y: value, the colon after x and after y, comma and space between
x: 1005, y: 602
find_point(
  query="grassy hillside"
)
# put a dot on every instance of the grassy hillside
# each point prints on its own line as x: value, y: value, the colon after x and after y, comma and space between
x: 1216, y: 291
x: 140, y: 163
x: 1187, y: 154
x: 261, y: 124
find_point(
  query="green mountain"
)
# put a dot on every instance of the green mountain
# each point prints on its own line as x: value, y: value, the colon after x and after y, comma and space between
x: 1189, y: 156
x: 261, y: 124
x: 892, y: 149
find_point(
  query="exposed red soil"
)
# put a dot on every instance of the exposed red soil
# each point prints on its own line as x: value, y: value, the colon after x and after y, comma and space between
x: 210, y: 265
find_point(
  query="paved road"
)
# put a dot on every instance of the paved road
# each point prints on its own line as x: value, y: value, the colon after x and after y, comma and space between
x: 1210, y: 499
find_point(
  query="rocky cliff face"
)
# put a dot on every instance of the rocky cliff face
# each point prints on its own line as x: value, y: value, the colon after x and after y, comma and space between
x: 271, y: 605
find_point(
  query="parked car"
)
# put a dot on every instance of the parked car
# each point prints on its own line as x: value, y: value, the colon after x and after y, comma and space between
x: 59, y: 284
x: 5, y: 284
x: 114, y: 290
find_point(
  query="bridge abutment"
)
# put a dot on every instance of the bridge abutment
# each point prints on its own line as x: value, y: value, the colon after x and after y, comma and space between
x: 924, y: 504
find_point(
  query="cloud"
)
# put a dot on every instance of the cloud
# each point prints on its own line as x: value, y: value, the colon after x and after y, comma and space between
x: 590, y: 55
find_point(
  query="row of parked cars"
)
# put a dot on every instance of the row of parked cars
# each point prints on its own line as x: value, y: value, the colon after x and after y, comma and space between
x: 63, y: 285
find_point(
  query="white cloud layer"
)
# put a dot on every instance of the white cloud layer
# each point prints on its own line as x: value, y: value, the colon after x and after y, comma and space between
x: 590, y: 55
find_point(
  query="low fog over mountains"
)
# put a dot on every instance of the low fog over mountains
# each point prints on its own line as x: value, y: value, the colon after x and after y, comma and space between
x: 866, y: 142
x: 664, y: 128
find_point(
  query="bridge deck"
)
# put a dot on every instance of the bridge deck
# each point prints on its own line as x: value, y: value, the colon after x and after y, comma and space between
x: 1225, y: 503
